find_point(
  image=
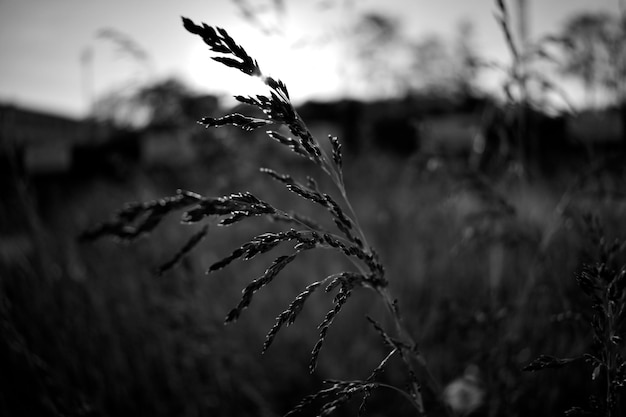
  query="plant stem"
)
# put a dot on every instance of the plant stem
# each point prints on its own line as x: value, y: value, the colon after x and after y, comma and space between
x: 344, y: 194
x: 413, y: 359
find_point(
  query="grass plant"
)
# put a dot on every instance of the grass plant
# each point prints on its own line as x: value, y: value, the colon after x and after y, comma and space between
x: 347, y: 238
x: 603, y: 281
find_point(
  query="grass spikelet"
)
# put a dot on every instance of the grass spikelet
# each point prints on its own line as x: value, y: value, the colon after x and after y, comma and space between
x: 277, y: 85
x: 347, y: 280
x: 338, y: 394
x: 193, y: 241
x: 311, y: 192
x: 239, y: 120
x: 337, y: 212
x: 220, y: 41
x: 137, y: 219
x: 336, y: 146
x: 342, y: 221
x: 381, y: 366
x: 340, y: 300
x: 368, y: 386
x: 259, y: 244
x: 279, y: 109
x: 239, y: 206
x: 288, y: 316
x: 370, y: 259
x: 306, y: 193
x: 346, y: 392
x: 283, y: 178
x: 347, y: 232
x: 387, y: 340
x: 309, y: 144
x: 270, y: 273
x: 292, y: 144
x: 321, y: 395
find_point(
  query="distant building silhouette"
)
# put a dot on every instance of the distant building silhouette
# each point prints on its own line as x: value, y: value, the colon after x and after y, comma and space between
x: 37, y: 141
x: 478, y: 130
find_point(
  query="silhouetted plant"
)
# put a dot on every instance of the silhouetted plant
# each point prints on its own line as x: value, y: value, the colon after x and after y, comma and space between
x: 305, y: 235
x: 605, y: 286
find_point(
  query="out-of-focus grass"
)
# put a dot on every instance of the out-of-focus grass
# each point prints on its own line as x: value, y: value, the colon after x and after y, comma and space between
x: 89, y: 330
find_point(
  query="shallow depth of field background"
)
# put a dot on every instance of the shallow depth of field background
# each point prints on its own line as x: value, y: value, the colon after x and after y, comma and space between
x: 480, y: 248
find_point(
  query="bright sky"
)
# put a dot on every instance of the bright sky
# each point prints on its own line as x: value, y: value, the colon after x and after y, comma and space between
x: 42, y: 41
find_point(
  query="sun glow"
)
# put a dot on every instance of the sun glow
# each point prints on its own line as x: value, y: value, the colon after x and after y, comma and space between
x: 308, y: 73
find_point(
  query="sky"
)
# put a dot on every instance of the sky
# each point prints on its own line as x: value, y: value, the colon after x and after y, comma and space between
x: 58, y: 55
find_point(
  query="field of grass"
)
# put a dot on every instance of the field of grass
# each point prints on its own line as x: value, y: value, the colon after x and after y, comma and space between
x: 486, y: 271
x: 88, y: 329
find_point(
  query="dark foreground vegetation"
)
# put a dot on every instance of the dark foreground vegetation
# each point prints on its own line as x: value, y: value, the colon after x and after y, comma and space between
x: 88, y: 329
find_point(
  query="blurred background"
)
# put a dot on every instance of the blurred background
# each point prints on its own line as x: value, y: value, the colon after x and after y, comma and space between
x: 476, y: 140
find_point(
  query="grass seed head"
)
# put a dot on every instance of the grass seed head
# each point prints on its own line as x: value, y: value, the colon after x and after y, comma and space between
x: 336, y: 146
x: 248, y: 292
x: 288, y: 316
x: 221, y: 42
x: 193, y: 241
x: 339, y: 301
x: 137, y: 219
x: 239, y: 120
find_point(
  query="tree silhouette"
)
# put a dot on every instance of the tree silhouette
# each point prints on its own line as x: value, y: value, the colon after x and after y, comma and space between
x: 166, y: 103
x: 594, y: 51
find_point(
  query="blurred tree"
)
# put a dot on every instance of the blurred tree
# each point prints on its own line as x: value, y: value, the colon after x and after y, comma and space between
x: 467, y: 56
x: 432, y: 65
x: 271, y: 16
x: 136, y: 68
x: 266, y: 16
x: 593, y: 44
x: 447, y: 68
x: 116, y: 107
x: 167, y: 103
x: 379, y: 54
